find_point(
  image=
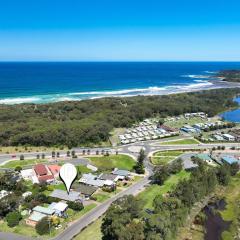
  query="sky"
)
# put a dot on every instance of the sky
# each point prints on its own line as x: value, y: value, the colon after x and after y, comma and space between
x: 120, y: 30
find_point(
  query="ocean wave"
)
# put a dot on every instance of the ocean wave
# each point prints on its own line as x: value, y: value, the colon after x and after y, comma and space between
x: 210, y: 72
x: 77, y: 96
x: 196, y: 76
x: 19, y: 100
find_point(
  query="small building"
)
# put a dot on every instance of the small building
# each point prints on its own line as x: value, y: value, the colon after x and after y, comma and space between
x: 86, y: 191
x: 34, y: 218
x: 43, y: 173
x: 63, y: 195
x: 44, y: 210
x: 229, y: 159
x: 228, y: 137
x: 29, y: 174
x: 188, y: 164
x: 122, y: 174
x: 205, y: 157
x: 108, y: 176
x: 59, y: 208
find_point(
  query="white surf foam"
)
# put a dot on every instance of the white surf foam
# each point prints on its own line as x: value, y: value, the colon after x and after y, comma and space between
x: 19, y: 100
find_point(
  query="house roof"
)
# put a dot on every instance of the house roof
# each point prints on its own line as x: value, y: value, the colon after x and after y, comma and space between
x: 59, y: 207
x: 85, y: 189
x: 120, y: 172
x: 72, y: 196
x: 204, y: 156
x: 229, y: 159
x: 54, y: 169
x: 36, y: 216
x: 108, y: 176
x: 43, y: 210
x: 45, y: 178
x: 41, y: 169
x: 27, y: 172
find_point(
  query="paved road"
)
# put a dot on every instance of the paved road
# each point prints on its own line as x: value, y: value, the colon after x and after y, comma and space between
x: 149, y: 147
x: 75, y: 228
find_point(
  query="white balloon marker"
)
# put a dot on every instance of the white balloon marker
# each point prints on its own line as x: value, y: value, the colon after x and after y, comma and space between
x: 68, y: 173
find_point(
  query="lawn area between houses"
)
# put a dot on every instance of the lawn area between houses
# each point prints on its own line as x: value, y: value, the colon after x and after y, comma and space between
x: 92, y: 232
x: 23, y: 163
x: 232, y: 211
x: 104, y: 163
x: 181, y: 142
x: 153, y: 190
x: 164, y: 157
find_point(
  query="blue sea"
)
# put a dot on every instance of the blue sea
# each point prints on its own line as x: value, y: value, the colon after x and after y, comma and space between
x: 43, y: 82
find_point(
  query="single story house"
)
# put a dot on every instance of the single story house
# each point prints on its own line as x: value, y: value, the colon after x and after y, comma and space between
x: 85, y: 190
x: 59, y: 208
x: 108, y: 176
x: 188, y: 164
x: 44, y: 210
x: 43, y: 173
x: 205, y: 157
x: 122, y: 174
x: 63, y: 195
x: 229, y: 159
x: 34, y: 218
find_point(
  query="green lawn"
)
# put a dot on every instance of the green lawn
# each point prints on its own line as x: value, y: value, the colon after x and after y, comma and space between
x: 101, y: 197
x: 152, y: 191
x: 179, y: 142
x: 84, y: 169
x: 164, y: 157
x: 232, y: 211
x: 92, y: 232
x: 183, y: 121
x: 22, y: 163
x: 113, y: 161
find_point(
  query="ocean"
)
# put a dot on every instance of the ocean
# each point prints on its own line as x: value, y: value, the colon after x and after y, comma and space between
x: 43, y: 82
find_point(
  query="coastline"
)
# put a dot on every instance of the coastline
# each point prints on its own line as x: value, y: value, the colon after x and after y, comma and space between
x: 150, y: 91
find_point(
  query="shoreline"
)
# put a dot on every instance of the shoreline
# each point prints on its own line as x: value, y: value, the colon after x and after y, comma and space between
x: 150, y: 91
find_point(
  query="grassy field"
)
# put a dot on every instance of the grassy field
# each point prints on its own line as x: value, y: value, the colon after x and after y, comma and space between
x: 92, y: 232
x: 183, y: 121
x: 152, y: 191
x: 164, y: 157
x: 19, y: 149
x: 232, y: 211
x: 113, y: 161
x: 23, y: 163
x: 179, y: 142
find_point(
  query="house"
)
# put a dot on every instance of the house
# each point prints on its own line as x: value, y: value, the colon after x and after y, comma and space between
x: 188, y: 164
x: 205, y: 157
x: 43, y: 173
x: 229, y: 159
x: 34, y: 218
x: 93, y: 180
x: 38, y: 214
x: 86, y: 191
x: 54, y: 169
x: 122, y: 174
x: 228, y: 137
x: 63, y: 195
x: 59, y: 208
x: 108, y: 176
x: 29, y: 174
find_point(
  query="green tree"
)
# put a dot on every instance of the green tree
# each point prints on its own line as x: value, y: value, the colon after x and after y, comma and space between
x: 18, y: 169
x: 13, y: 218
x: 43, y: 226
x: 77, y: 206
x: 139, y: 167
x: 21, y: 157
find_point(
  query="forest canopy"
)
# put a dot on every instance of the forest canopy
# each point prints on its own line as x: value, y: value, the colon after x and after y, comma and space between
x: 90, y: 121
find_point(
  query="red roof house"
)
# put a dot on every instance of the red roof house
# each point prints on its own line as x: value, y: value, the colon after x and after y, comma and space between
x: 43, y: 173
x: 54, y: 169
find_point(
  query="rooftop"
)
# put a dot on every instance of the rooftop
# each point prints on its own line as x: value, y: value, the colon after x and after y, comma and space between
x: 36, y: 216
x: 229, y: 159
x: 63, y: 195
x: 120, y: 172
x: 41, y: 169
x: 43, y: 210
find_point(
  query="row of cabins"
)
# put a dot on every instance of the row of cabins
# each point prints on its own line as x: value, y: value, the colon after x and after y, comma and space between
x: 198, y: 127
x: 150, y: 132
x: 224, y: 137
